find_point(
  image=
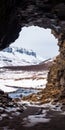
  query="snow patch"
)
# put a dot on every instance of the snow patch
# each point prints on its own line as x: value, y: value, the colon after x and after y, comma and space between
x: 7, y: 89
x: 32, y: 120
x: 49, y: 105
x: 23, y: 79
x: 27, y: 83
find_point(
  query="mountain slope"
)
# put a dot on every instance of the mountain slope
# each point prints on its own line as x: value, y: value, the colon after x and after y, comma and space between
x: 15, y: 56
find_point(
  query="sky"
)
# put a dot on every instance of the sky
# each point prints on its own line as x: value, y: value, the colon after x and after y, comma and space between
x: 39, y: 40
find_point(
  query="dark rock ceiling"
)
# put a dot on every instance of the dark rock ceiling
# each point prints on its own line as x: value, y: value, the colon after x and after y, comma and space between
x: 14, y: 14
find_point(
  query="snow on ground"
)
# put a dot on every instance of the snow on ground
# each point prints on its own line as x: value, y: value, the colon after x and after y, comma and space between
x: 7, y: 89
x: 16, y: 56
x: 23, y: 79
x: 49, y: 105
x: 32, y: 120
x: 42, y: 115
x: 40, y: 84
x: 7, y: 74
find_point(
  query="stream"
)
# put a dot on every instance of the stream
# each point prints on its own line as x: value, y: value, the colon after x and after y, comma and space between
x: 22, y: 92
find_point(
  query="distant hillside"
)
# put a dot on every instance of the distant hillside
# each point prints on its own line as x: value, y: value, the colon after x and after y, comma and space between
x: 39, y: 67
x: 15, y: 56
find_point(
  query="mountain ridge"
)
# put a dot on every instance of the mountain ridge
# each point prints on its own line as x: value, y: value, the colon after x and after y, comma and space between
x: 17, y: 56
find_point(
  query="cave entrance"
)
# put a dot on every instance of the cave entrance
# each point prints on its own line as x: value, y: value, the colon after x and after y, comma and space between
x: 19, y: 62
x: 39, y: 40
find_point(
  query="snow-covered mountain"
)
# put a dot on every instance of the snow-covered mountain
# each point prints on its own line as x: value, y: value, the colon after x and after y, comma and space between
x: 18, y: 56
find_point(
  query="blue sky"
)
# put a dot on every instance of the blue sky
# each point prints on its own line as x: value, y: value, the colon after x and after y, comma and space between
x: 38, y: 39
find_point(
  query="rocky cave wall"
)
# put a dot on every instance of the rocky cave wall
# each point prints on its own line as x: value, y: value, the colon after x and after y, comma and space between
x: 14, y: 14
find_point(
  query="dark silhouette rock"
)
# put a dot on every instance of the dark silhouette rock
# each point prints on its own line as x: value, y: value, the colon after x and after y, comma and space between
x: 14, y: 14
x: 1, y: 92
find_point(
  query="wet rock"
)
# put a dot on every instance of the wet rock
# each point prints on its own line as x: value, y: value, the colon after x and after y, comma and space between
x: 7, y: 105
x: 1, y: 92
x: 20, y: 110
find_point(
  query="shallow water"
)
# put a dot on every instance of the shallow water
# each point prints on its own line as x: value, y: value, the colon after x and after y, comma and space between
x: 22, y: 92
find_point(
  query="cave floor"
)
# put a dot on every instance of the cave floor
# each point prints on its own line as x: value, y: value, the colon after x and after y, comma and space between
x: 49, y: 117
x: 23, y: 115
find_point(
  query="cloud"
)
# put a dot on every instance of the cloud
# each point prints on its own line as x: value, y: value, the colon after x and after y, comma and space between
x: 38, y: 39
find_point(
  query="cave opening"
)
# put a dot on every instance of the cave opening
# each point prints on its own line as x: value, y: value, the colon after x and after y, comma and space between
x: 40, y: 40
x: 19, y: 57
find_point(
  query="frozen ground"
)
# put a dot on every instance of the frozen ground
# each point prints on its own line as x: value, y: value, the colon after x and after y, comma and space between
x: 12, y: 80
x: 33, y: 115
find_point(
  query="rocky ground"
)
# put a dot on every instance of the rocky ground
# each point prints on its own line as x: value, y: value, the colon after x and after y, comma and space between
x: 23, y: 115
x: 43, y: 110
x: 18, y: 114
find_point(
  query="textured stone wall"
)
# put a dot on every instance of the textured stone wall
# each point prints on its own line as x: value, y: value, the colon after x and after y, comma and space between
x: 56, y: 75
x: 14, y: 14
